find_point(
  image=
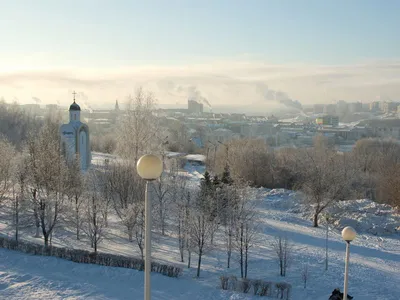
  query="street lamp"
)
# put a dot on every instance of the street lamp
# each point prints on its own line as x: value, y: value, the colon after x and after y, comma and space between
x: 149, y: 167
x: 348, y: 234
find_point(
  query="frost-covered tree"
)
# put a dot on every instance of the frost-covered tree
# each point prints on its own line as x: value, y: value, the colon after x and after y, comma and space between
x: 181, y: 203
x: 283, y: 251
x: 19, y: 187
x: 7, y: 153
x: 127, y: 193
x: 201, y: 221
x: 139, y: 131
x: 246, y: 228
x: 48, y: 173
x: 161, y: 191
x: 324, y: 179
x: 94, y: 221
x: 200, y: 229
x: 75, y: 187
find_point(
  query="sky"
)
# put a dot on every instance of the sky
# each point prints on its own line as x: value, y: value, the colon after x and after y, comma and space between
x: 229, y: 52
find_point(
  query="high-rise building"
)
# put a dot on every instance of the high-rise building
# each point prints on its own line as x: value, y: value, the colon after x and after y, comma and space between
x: 374, y: 106
x: 355, y: 107
x: 330, y: 109
x: 388, y: 107
x: 318, y: 108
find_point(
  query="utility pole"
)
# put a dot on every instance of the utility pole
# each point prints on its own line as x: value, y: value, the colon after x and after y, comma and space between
x: 326, y: 243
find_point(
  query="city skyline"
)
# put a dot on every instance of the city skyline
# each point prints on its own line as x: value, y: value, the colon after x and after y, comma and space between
x: 230, y: 53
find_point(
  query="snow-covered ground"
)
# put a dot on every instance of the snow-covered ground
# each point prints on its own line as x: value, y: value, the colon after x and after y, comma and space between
x: 374, y: 269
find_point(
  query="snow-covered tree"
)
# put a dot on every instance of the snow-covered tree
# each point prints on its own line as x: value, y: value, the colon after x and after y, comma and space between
x: 19, y: 188
x: 161, y: 191
x: 75, y: 187
x: 94, y: 221
x: 139, y: 131
x: 283, y: 250
x: 7, y: 153
x: 48, y: 173
x: 324, y: 179
x: 127, y: 192
x: 246, y: 228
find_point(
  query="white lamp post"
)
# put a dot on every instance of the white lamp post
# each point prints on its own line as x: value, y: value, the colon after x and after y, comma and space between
x: 348, y: 234
x: 149, y: 167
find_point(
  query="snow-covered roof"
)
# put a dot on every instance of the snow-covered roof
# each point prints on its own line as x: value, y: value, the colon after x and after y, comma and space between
x: 222, y: 130
x: 196, y: 157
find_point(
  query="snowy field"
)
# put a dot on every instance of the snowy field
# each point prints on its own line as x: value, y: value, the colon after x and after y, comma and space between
x: 374, y: 269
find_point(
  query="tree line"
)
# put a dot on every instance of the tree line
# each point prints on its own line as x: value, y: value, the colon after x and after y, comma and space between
x: 323, y: 174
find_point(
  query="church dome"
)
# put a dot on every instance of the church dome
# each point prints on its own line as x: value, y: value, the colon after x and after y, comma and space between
x: 74, y: 106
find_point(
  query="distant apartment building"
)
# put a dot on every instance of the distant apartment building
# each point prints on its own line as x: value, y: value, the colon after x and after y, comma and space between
x: 328, y: 120
x: 318, y: 108
x: 374, y: 106
x: 388, y: 107
x: 341, y: 107
x: 355, y: 107
x: 195, y: 107
x: 329, y: 109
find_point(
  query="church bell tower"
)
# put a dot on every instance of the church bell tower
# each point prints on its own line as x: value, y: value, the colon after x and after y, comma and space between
x: 75, y: 137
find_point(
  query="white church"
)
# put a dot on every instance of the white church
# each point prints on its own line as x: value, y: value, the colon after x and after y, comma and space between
x: 75, y: 141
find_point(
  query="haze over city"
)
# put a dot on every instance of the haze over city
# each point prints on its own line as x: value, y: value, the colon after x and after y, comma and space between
x: 234, y: 54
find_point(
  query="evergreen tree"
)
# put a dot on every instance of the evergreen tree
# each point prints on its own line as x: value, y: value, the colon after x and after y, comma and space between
x: 206, y: 192
x: 206, y: 184
x: 226, y: 176
x: 216, y: 181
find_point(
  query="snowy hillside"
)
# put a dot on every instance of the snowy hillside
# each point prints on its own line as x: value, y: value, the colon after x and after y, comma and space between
x: 374, y: 269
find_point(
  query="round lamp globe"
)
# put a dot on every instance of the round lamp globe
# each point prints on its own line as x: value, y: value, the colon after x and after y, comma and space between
x: 348, y: 234
x: 149, y: 167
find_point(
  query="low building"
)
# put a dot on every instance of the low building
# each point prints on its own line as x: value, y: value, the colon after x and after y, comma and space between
x: 385, y: 128
x: 328, y: 120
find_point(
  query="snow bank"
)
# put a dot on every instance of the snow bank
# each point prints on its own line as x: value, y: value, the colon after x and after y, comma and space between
x: 282, y: 199
x: 364, y: 215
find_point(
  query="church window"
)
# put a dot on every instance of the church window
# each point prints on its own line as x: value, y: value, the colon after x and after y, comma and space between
x: 75, y: 117
x: 82, y: 139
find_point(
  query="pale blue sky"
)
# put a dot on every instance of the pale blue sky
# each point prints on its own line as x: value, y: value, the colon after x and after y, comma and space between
x: 100, y: 33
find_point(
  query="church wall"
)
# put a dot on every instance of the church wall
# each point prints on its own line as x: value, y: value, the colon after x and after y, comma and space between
x: 74, y: 116
x: 83, y: 148
x: 68, y: 138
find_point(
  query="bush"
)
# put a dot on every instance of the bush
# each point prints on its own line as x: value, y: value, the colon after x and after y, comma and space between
x: 283, y: 290
x: 87, y: 257
x: 265, y: 288
x: 224, y: 282
x: 256, y: 286
x: 279, y: 290
x: 245, y: 285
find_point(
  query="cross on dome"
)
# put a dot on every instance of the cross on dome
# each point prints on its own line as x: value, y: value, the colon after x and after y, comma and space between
x: 74, y: 93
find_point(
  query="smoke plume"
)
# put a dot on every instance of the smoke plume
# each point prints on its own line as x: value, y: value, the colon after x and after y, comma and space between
x: 37, y: 100
x: 278, y: 96
x: 195, y: 94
